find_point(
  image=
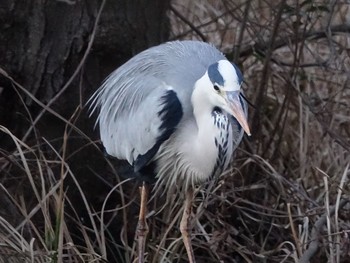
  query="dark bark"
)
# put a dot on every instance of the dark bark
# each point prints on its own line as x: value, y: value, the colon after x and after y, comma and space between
x: 42, y: 42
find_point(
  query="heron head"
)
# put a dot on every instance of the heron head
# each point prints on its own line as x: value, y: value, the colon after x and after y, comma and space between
x: 223, y: 84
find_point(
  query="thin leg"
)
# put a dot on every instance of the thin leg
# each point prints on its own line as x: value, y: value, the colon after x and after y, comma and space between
x: 185, y: 226
x: 142, y: 227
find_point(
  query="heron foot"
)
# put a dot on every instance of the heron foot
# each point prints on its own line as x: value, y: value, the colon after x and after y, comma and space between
x: 142, y: 227
x: 185, y: 226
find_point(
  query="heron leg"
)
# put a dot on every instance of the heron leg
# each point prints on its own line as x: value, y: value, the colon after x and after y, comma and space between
x: 185, y: 226
x: 142, y: 227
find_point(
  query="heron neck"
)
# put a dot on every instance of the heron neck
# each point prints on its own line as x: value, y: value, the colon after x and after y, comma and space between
x: 202, y: 110
x: 203, y: 144
x: 202, y: 113
x: 202, y: 107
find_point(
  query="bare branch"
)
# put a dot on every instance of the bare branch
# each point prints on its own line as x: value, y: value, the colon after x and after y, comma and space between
x: 187, y: 22
x: 315, y: 233
x: 261, y: 48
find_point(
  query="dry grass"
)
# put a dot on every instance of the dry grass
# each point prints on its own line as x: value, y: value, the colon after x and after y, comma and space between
x: 295, y: 168
x: 285, y: 198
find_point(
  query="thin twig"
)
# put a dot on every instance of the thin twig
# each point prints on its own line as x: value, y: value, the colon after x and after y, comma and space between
x: 45, y: 107
x: 283, y: 41
x: 237, y: 48
x: 294, y: 232
x: 266, y: 69
x: 316, y: 232
x: 187, y: 22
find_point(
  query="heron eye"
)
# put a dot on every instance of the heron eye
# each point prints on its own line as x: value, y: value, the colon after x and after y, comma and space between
x: 216, y: 87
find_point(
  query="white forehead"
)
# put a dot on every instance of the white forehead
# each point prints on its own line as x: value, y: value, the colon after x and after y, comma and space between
x: 230, y: 75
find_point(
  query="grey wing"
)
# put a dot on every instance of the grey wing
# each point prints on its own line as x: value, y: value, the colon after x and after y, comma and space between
x: 136, y: 116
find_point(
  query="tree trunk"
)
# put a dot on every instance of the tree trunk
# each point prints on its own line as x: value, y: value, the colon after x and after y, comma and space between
x: 42, y: 42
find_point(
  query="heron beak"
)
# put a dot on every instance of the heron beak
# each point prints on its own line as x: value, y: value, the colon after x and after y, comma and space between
x: 236, y: 109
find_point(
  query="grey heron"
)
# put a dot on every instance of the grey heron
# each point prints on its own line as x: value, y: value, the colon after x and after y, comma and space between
x: 175, y: 112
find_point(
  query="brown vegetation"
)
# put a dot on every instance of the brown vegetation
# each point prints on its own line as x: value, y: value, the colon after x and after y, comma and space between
x: 286, y: 198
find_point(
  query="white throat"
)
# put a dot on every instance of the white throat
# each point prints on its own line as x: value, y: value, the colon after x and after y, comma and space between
x: 203, y: 152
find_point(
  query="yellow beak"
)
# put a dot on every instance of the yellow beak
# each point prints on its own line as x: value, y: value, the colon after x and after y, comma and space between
x: 236, y: 110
